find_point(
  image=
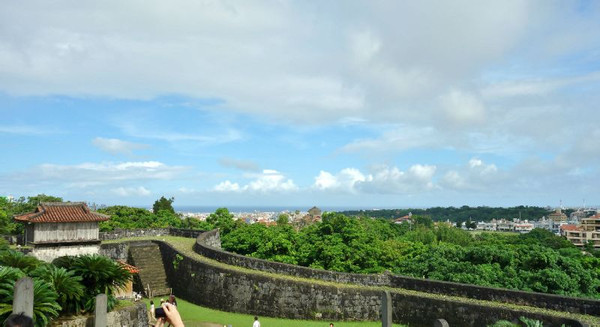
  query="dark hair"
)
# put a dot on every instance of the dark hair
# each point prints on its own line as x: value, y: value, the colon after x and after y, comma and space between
x: 18, y: 320
x: 255, y: 318
x: 151, y: 302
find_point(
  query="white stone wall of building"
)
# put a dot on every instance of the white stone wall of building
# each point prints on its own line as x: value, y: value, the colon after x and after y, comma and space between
x: 48, y: 254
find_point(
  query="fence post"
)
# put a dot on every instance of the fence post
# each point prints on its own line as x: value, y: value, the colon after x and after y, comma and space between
x: 23, y: 298
x: 100, y: 313
x: 386, y: 309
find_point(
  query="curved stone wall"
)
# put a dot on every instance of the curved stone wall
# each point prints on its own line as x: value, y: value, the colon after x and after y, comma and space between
x: 541, y: 300
x: 235, y: 289
x: 206, y: 245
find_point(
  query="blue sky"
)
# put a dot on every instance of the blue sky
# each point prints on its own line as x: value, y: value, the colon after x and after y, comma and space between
x: 301, y: 103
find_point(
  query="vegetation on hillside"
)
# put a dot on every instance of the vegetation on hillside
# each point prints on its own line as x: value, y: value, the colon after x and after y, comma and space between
x: 459, y: 214
x: 538, y: 261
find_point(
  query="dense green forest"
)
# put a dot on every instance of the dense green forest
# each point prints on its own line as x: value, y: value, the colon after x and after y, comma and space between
x: 538, y: 261
x: 460, y: 214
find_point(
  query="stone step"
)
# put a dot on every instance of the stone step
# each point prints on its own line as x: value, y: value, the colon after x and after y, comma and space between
x: 148, y: 260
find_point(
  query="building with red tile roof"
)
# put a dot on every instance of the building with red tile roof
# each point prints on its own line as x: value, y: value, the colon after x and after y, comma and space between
x: 62, y: 228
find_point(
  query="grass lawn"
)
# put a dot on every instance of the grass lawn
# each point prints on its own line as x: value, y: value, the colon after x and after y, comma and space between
x: 194, y: 315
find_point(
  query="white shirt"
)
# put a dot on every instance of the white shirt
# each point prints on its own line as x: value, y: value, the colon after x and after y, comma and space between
x: 256, y: 323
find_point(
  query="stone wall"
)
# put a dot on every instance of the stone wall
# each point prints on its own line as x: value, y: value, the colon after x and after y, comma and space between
x: 239, y: 290
x: 541, y: 300
x: 212, y: 252
x: 127, y: 233
x: 189, y: 233
x: 549, y: 301
x: 119, y: 251
x: 132, y: 316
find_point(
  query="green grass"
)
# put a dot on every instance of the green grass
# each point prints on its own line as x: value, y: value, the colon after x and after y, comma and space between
x: 194, y: 315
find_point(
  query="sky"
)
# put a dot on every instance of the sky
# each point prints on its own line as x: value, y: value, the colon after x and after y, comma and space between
x: 368, y: 104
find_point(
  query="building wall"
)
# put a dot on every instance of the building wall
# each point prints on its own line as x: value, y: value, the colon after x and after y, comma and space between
x: 50, y: 253
x: 65, y: 232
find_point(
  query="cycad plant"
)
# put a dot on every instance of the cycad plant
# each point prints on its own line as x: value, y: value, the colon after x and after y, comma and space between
x: 8, y: 276
x: 100, y: 275
x: 68, y: 286
x: 19, y: 260
x: 45, y: 306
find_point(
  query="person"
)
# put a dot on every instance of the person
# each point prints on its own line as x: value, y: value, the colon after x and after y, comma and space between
x: 331, y: 325
x: 256, y: 322
x: 152, y: 311
x: 172, y: 316
x: 18, y: 320
x: 172, y: 300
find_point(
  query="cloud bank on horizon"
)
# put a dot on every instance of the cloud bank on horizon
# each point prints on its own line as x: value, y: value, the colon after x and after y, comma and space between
x: 302, y: 102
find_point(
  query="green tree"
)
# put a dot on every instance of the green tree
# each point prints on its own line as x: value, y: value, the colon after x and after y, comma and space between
x: 163, y: 204
x: 221, y: 219
x: 36, y: 200
x: 283, y: 219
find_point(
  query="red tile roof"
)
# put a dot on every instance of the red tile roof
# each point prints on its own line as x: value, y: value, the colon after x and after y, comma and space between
x: 569, y: 227
x: 62, y: 212
x: 128, y: 267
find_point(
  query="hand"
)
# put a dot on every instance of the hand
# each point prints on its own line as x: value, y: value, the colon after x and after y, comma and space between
x: 172, y: 315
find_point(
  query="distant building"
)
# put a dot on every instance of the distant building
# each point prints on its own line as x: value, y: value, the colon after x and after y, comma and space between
x: 314, y: 214
x: 504, y: 225
x: 523, y: 226
x: 57, y: 229
x: 588, y: 231
x: 406, y: 218
x: 558, y: 216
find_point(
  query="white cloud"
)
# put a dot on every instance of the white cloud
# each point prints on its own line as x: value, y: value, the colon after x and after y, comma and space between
x: 246, y: 165
x: 475, y: 175
x: 28, y: 130
x: 461, y: 108
x: 268, y: 182
x: 131, y: 191
x: 116, y: 146
x: 396, y: 138
x: 163, y: 134
x: 381, y: 180
x: 96, y: 174
x: 344, y: 181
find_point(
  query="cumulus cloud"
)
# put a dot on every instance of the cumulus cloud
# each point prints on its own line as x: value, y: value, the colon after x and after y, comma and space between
x: 268, y: 182
x: 131, y: 191
x: 475, y: 175
x: 116, y: 146
x: 380, y: 180
x: 344, y: 181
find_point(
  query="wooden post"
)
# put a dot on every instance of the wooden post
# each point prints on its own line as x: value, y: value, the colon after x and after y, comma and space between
x: 100, y: 313
x: 23, y: 297
x: 386, y: 309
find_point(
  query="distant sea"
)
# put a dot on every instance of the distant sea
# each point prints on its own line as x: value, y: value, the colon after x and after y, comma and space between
x: 204, y: 209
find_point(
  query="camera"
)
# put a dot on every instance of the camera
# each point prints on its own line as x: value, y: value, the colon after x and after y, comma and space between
x: 159, y: 313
